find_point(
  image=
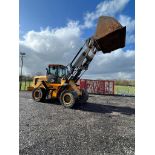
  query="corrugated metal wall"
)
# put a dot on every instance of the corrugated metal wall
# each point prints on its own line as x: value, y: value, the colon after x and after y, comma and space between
x: 97, y: 86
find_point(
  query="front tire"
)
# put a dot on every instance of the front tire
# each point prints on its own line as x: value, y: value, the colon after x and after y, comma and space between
x: 39, y: 94
x: 68, y: 99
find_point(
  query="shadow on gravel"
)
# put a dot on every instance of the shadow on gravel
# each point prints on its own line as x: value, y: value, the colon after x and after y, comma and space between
x: 98, y: 108
x: 53, y: 101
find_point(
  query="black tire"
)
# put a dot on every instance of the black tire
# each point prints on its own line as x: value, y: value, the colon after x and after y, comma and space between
x: 39, y: 94
x: 83, y: 99
x: 68, y: 99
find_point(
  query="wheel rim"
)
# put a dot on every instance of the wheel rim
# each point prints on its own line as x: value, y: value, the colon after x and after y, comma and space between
x: 37, y: 94
x: 67, y: 99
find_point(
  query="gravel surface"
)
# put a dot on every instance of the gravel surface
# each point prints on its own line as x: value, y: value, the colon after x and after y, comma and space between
x: 104, y: 126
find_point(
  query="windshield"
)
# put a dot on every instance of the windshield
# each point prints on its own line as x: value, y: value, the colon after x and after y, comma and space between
x: 62, y: 72
x: 58, y: 71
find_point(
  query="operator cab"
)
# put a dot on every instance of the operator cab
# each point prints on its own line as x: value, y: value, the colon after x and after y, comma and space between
x: 55, y: 73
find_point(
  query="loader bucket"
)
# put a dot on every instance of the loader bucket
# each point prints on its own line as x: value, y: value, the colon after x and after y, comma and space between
x: 110, y: 34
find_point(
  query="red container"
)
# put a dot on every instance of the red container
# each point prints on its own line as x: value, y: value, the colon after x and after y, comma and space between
x: 97, y: 86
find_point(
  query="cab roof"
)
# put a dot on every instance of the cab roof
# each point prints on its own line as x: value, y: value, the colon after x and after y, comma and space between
x: 59, y: 65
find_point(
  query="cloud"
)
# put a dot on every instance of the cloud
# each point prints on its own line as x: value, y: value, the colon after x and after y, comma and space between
x: 61, y: 45
x: 113, y: 76
x: 57, y: 45
x: 128, y: 22
x: 106, y: 8
x: 130, y: 27
x: 118, y: 64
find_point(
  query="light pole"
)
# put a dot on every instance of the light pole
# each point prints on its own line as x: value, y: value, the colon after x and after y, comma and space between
x: 21, y: 55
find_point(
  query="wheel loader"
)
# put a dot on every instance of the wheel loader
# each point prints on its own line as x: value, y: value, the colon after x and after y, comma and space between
x: 60, y: 81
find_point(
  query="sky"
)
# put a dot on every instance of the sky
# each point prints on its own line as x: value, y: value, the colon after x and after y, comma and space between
x: 52, y: 31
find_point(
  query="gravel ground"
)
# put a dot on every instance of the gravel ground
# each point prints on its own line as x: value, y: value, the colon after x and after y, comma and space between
x: 104, y: 126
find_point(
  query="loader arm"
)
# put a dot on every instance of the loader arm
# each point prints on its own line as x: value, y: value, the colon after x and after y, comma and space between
x: 110, y: 35
x: 81, y: 61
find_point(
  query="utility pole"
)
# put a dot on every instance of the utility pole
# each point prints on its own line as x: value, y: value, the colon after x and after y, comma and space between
x: 21, y: 56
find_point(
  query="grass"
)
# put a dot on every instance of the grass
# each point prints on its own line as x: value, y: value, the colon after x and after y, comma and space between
x: 125, y: 90
x: 24, y: 86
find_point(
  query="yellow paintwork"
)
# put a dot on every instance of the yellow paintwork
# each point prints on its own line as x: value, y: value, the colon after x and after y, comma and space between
x: 54, y: 93
x: 56, y: 86
x: 40, y: 78
x: 74, y: 86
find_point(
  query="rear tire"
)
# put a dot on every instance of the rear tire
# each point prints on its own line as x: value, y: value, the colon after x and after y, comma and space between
x: 39, y: 94
x: 83, y: 99
x: 68, y: 99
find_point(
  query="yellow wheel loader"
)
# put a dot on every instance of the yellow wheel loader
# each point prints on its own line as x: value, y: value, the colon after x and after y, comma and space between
x: 61, y: 81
